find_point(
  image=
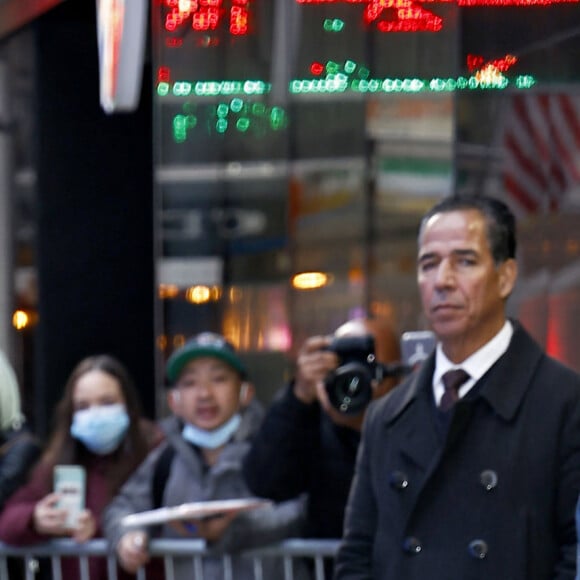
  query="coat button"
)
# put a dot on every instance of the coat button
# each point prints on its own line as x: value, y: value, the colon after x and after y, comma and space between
x: 398, y: 480
x: 412, y: 545
x: 488, y: 479
x: 478, y: 549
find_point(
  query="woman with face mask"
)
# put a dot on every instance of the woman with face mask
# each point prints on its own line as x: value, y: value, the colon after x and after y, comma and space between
x: 98, y: 427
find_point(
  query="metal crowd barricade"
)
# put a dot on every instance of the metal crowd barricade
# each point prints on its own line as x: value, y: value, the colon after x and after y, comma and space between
x: 28, y: 557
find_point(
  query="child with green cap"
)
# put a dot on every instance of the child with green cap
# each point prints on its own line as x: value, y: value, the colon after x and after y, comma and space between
x: 208, y: 434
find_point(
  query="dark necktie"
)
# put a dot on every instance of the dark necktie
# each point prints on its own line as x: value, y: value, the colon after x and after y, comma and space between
x: 452, y: 380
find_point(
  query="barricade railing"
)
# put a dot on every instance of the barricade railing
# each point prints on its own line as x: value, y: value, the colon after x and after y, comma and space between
x: 317, y: 551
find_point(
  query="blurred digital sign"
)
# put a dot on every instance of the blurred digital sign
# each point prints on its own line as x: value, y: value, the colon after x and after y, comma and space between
x: 223, y: 64
x: 385, y: 15
x: 204, y: 15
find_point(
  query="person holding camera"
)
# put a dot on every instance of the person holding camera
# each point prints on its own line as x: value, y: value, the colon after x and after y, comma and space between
x: 306, y: 444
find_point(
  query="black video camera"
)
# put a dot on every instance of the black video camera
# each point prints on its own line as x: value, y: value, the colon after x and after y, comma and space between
x: 350, y: 385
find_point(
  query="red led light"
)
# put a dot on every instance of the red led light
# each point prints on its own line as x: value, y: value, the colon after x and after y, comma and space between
x: 164, y: 74
x: 474, y: 62
x: 207, y: 41
x: 207, y: 15
x: 513, y: 2
x: 173, y: 42
x: 409, y: 16
x: 459, y: 2
x: 500, y: 65
x: 206, y: 18
x: 316, y: 68
x: 385, y: 15
x: 239, y: 20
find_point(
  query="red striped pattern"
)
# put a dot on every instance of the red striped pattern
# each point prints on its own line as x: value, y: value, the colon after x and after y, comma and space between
x: 541, y: 143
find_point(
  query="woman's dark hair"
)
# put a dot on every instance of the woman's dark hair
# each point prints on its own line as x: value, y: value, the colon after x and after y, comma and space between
x: 63, y: 448
x: 501, y: 222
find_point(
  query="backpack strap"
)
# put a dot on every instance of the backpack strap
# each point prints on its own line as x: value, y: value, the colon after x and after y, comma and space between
x: 161, y: 475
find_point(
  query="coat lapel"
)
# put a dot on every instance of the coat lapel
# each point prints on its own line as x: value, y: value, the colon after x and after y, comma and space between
x: 519, y: 362
x: 419, y: 442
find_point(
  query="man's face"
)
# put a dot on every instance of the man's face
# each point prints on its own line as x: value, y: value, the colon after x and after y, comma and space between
x: 207, y: 393
x: 462, y: 290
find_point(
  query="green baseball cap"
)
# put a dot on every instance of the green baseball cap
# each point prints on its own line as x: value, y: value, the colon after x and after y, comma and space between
x: 204, y: 344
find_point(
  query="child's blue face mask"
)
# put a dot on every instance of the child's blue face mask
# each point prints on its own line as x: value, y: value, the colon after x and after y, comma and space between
x: 102, y: 428
x: 214, y: 438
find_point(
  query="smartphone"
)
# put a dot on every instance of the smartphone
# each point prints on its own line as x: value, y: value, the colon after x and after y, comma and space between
x: 416, y: 346
x: 70, y: 483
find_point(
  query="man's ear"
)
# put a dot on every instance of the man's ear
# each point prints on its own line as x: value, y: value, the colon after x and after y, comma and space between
x: 173, y: 400
x: 247, y: 392
x: 508, y: 273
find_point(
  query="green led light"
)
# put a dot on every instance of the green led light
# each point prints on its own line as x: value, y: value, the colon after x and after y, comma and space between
x: 258, y: 109
x: 525, y: 81
x: 208, y: 88
x: 182, y: 89
x: 255, y: 87
x: 179, y: 128
x: 364, y: 73
x: 436, y: 85
x: 231, y: 88
x: 222, y: 110
x: 243, y: 124
x: 277, y: 118
x: 339, y: 82
x: 349, y: 66
x: 163, y: 89
x: 333, y: 25
x: 190, y: 121
x: 236, y: 105
x: 332, y: 67
x: 221, y: 126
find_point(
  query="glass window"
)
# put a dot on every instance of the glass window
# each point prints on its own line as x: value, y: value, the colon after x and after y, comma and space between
x: 303, y: 138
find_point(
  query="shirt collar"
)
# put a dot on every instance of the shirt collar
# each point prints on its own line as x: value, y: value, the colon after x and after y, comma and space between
x: 476, y: 364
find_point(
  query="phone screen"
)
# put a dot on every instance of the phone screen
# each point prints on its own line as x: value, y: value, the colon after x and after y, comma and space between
x: 70, y: 482
x: 416, y: 346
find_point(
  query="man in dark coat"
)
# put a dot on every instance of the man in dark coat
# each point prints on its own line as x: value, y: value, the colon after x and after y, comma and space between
x: 485, y: 489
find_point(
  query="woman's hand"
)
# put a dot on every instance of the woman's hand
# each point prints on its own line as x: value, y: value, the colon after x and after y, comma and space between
x: 86, y: 527
x: 50, y: 520
x: 47, y: 518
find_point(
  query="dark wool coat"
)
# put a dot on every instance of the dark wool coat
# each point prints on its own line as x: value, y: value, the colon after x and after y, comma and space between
x: 494, y: 499
x: 300, y: 450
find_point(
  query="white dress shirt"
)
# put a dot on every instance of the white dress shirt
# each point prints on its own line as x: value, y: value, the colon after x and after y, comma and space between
x: 475, y: 365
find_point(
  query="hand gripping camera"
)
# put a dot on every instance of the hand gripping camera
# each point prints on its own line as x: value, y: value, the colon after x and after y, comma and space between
x: 350, y: 385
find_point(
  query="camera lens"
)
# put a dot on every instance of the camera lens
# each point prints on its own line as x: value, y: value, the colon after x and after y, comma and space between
x: 349, y: 388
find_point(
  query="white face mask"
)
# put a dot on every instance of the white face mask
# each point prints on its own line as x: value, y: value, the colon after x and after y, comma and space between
x: 211, y: 439
x: 101, y: 429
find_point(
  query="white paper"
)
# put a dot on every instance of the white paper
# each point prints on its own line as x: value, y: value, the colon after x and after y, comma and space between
x: 192, y: 511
